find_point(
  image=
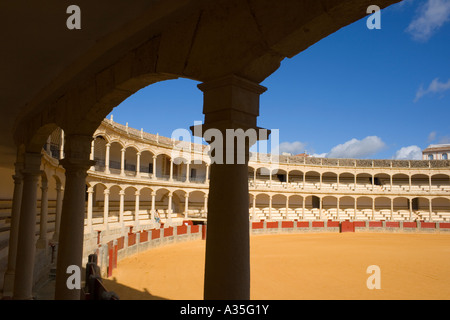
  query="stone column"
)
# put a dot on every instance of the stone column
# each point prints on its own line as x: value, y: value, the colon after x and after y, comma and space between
x: 90, y: 192
x: 390, y: 179
x: 108, y: 148
x: 320, y: 207
x: 320, y: 182
x: 254, y: 208
x: 122, y: 161
x: 373, y: 183
x: 429, y: 181
x: 187, y: 173
x: 229, y: 103
x: 61, y: 151
x: 205, y: 205
x: 373, y: 208
x: 169, y: 210
x: 287, y: 206
x: 153, y: 206
x: 70, y: 247
x: 186, y: 205
x: 430, y: 204
x: 356, y: 208
x: 270, y: 207
x: 59, y: 201
x: 8, y: 283
x: 154, y: 168
x: 138, y: 164
x: 304, y: 179
x: 392, y: 208
x: 105, y: 208
x: 42, y: 241
x: 207, y: 174
x: 26, y: 245
x: 409, y: 182
x: 338, y: 202
x: 91, y: 157
x: 171, y: 170
x: 410, y: 209
x: 121, y: 206
x: 337, y: 186
x: 136, y: 209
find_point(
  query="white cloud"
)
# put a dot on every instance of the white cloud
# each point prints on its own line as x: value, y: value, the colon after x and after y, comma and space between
x: 432, y: 16
x: 409, y: 153
x: 435, y: 87
x: 355, y: 149
x: 432, y: 136
x: 294, y: 148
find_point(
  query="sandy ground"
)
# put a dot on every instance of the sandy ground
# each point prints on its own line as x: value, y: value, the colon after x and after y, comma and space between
x: 300, y: 266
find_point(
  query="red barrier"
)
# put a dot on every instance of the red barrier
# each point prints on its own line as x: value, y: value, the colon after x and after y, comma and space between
x: 318, y: 224
x: 189, y: 222
x: 143, y: 236
x: 155, y: 234
x: 347, y: 226
x: 194, y: 228
x: 444, y: 225
x: 115, y: 257
x: 428, y: 225
x: 204, y: 232
x: 258, y: 225
x: 302, y: 224
x: 110, y: 258
x: 409, y: 224
x: 359, y: 224
x: 131, y: 239
x: 182, y: 229
x: 272, y: 225
x: 332, y: 224
x: 120, y: 243
x: 287, y: 224
x: 392, y: 224
x: 168, y: 232
x: 375, y: 224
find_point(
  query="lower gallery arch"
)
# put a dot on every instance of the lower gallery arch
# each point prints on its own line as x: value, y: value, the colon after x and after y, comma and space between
x: 295, y: 207
x: 98, y: 204
x: 145, y: 206
x: 262, y: 210
x: 347, y: 208
x: 440, y: 208
x: 130, y: 198
x: 383, y: 209
x: 329, y: 207
x: 402, y: 209
x: 196, y: 204
x: 364, y: 208
x: 279, y: 203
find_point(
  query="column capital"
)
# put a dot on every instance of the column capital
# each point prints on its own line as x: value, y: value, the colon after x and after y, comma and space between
x: 32, y: 164
x: 121, y: 192
x: 106, y: 191
x: 90, y: 190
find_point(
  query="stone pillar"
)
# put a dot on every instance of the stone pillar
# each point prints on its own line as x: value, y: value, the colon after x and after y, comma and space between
x: 392, y: 208
x: 356, y: 208
x: 429, y: 181
x: 108, y: 148
x: 430, y: 204
x: 59, y: 201
x: 90, y: 192
x: 153, y: 206
x: 8, y: 283
x: 26, y: 245
x: 138, y: 164
x: 409, y: 182
x: 61, y: 151
x: 390, y: 178
x: 287, y: 206
x: 70, y: 247
x: 154, y: 168
x: 338, y: 201
x: 42, y: 241
x: 337, y: 186
x: 186, y: 205
x: 207, y: 173
x: 304, y: 179
x: 171, y: 170
x: 205, y: 205
x: 320, y: 182
x: 229, y: 103
x: 373, y: 208
x: 187, y: 173
x: 410, y: 209
x: 373, y: 182
x: 122, y: 161
x: 254, y: 208
x: 136, y: 209
x: 121, y: 206
x: 169, y: 210
x: 270, y: 207
x: 105, y: 208
x: 320, y: 207
x: 303, y: 206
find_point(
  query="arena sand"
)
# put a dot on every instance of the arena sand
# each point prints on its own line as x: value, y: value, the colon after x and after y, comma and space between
x: 300, y: 266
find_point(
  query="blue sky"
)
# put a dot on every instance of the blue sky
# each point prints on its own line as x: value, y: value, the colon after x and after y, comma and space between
x: 359, y: 93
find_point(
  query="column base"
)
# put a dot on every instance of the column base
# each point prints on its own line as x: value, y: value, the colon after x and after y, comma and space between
x: 42, y: 244
x: 8, y: 285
